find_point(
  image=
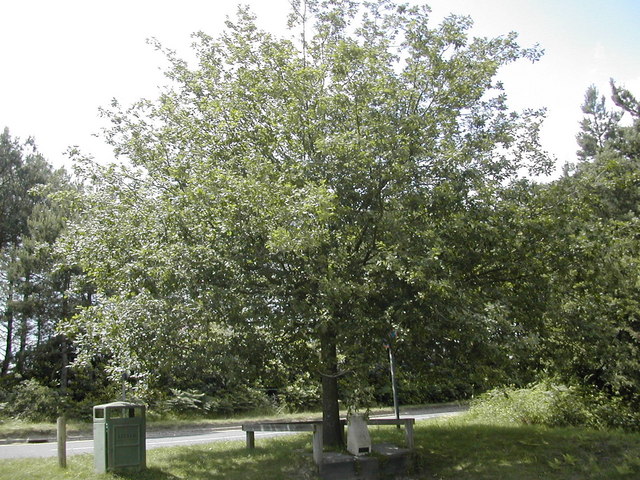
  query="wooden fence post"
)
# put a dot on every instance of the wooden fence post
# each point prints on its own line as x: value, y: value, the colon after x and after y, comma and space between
x: 62, y: 441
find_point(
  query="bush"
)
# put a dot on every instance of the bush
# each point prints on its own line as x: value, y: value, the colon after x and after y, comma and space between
x: 223, y: 402
x: 189, y: 402
x: 510, y: 405
x: 240, y: 399
x: 302, y: 394
x: 555, y: 405
x: 30, y: 400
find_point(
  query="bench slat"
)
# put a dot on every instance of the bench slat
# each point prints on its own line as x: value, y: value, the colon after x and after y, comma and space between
x: 390, y: 421
x: 281, y: 427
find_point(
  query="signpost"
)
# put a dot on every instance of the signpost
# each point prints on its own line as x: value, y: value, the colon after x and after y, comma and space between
x: 392, y: 365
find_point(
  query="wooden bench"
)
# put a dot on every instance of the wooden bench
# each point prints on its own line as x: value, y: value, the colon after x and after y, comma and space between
x: 316, y: 428
x: 407, y: 422
x: 313, y: 426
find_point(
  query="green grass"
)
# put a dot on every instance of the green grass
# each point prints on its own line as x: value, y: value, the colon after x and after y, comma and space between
x: 448, y: 449
x: 10, y: 428
x: 460, y: 449
x: 220, y: 460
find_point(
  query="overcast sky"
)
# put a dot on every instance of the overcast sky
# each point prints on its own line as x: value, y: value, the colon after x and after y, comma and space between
x: 62, y: 59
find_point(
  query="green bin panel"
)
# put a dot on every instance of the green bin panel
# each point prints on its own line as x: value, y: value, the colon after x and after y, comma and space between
x: 125, y: 443
x: 119, y: 431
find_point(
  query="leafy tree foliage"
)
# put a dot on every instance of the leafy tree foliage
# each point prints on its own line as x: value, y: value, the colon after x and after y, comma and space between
x: 593, y: 330
x: 302, y: 197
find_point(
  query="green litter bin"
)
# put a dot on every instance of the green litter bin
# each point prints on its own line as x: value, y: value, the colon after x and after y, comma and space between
x: 119, y: 437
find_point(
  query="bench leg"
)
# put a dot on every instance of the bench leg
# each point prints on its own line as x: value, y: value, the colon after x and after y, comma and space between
x: 408, y: 427
x: 317, y: 445
x: 251, y: 440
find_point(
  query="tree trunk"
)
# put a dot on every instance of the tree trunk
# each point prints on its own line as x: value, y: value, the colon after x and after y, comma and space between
x: 331, y: 427
x: 8, y: 351
x: 25, y: 313
x: 64, y: 369
x: 64, y: 345
x: 22, y: 346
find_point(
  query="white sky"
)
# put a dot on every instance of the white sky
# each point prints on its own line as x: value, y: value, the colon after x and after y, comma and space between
x: 62, y: 59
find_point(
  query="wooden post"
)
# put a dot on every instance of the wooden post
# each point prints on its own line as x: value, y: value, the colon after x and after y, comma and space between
x: 62, y: 442
x: 317, y: 445
x: 408, y: 427
x: 251, y: 440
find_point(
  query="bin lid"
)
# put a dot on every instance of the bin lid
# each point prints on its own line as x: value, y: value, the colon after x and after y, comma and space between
x: 119, y: 405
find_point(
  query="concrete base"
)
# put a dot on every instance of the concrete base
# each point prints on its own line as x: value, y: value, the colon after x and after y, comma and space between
x: 386, y: 461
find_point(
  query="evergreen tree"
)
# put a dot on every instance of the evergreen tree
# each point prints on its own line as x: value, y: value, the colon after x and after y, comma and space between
x: 597, y: 127
x: 594, y: 328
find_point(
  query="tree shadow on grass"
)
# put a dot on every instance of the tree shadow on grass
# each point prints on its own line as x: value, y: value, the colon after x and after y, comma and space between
x: 476, y: 451
x: 146, y: 474
x: 277, y: 458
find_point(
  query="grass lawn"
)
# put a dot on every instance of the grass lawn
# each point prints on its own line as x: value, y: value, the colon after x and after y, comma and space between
x: 463, y: 450
x: 447, y: 449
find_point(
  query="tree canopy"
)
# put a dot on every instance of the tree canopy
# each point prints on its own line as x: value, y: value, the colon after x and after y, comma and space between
x: 308, y: 195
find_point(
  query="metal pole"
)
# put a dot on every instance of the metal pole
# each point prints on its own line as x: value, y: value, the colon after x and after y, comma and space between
x: 393, y: 384
x: 62, y: 442
x: 124, y: 386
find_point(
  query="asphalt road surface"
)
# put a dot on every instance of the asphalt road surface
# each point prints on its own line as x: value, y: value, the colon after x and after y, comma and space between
x: 78, y: 447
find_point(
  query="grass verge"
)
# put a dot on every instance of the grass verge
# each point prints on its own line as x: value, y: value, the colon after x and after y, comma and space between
x: 10, y: 429
x: 456, y: 448
x: 462, y: 449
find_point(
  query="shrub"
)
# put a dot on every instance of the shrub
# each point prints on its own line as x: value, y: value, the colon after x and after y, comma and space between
x: 302, y: 394
x: 553, y: 405
x: 223, y: 402
x: 30, y: 400
x: 510, y: 405
x: 189, y: 401
x: 242, y: 398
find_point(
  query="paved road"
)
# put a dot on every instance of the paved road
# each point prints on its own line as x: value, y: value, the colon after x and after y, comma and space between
x: 77, y: 447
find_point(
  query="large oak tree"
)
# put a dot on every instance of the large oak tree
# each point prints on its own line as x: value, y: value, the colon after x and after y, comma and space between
x: 318, y: 189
